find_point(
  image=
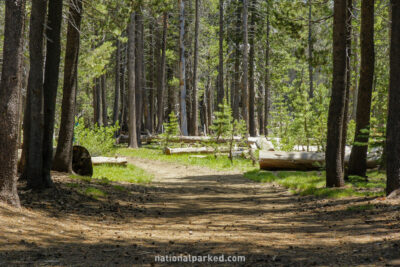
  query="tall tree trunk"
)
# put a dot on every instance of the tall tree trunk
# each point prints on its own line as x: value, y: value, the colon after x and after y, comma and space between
x: 63, y: 157
x: 161, y: 77
x: 245, y: 97
x: 358, y: 156
x: 334, y: 164
x: 310, y: 50
x: 220, y: 92
x: 236, y: 97
x: 104, y: 99
x: 267, y: 79
x: 50, y: 86
x: 139, y: 91
x: 117, y: 92
x: 393, y: 122
x: 34, y: 162
x: 152, y: 78
x: 252, y: 89
x: 124, y: 99
x: 131, y: 82
x: 195, y: 104
x: 182, y: 82
x: 95, y: 102
x: 349, y: 12
x: 99, y: 102
x: 10, y: 95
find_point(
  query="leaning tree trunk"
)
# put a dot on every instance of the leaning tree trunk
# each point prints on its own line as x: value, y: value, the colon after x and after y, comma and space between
x: 34, y: 160
x: 10, y: 94
x: 50, y: 86
x: 63, y: 157
x: 131, y: 83
x: 245, y: 97
x: 358, y: 156
x: 161, y: 77
x: 195, y: 104
x: 393, y: 123
x: 182, y: 83
x: 334, y: 164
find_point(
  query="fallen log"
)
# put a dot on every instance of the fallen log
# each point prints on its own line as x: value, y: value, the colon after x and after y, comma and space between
x: 189, y: 150
x: 201, y: 150
x: 108, y: 160
x: 195, y: 139
x: 273, y: 160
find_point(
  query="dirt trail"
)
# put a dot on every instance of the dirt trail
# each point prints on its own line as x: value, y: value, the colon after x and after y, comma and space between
x: 197, y: 211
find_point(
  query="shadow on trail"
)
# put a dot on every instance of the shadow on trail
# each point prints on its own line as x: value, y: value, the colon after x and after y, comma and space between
x: 241, y: 207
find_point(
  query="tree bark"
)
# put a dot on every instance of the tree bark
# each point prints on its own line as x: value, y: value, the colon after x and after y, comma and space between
x: 104, y: 99
x: 34, y: 160
x: 220, y: 92
x: 117, y: 92
x: 393, y: 123
x: 161, y: 77
x: 131, y: 83
x: 139, y: 91
x: 182, y: 82
x: 358, y: 157
x: 52, y: 71
x: 245, y: 97
x: 10, y: 95
x: 310, y: 51
x: 252, y: 89
x: 63, y: 157
x: 124, y: 99
x: 267, y: 80
x: 334, y: 164
x: 236, y: 97
x: 195, y: 104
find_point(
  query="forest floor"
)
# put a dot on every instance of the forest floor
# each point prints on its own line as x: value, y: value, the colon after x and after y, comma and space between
x: 197, y: 211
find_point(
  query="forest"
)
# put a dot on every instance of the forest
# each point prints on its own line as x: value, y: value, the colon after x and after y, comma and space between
x: 229, y: 132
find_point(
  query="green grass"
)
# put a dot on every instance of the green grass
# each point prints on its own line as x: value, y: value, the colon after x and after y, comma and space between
x: 94, y: 192
x: 155, y: 153
x: 104, y: 174
x: 313, y: 183
x: 130, y: 173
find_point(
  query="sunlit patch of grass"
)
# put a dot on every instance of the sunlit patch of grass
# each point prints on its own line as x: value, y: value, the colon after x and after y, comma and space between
x: 130, y: 173
x: 94, y: 192
x: 313, y: 183
x: 361, y: 207
x: 209, y: 161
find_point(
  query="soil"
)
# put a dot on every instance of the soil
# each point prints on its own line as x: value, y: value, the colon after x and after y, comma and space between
x: 194, y: 211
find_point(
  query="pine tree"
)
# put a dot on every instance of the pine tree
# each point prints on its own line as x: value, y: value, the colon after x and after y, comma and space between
x: 171, y: 130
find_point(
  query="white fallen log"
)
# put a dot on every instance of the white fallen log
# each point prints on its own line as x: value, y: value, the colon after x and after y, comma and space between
x: 189, y: 150
x: 196, y: 139
x: 275, y: 160
x: 109, y: 160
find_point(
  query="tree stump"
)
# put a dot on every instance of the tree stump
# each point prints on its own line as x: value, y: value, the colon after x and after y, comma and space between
x: 82, y: 161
